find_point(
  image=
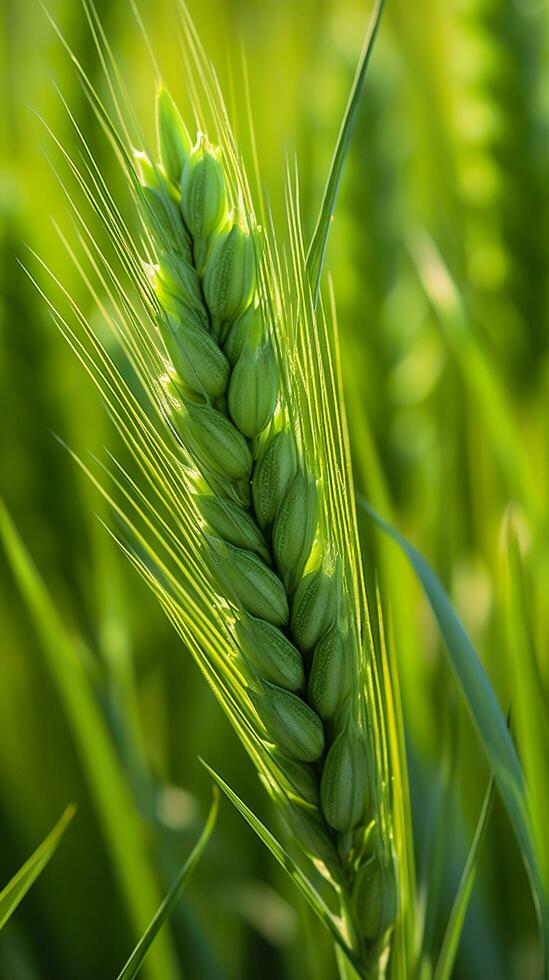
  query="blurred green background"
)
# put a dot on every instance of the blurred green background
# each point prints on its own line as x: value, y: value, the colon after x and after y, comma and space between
x: 440, y: 263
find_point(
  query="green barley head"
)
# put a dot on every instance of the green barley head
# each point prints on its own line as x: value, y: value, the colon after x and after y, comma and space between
x: 244, y: 523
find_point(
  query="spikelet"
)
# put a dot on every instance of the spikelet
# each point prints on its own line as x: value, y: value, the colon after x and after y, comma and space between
x: 203, y: 196
x: 174, y: 142
x: 233, y: 523
x: 230, y: 276
x: 253, y: 389
x: 327, y: 678
x: 294, y: 727
x: 273, y: 656
x: 314, y: 608
x: 345, y: 781
x: 214, y: 440
x: 199, y: 362
x: 375, y: 897
x: 273, y: 473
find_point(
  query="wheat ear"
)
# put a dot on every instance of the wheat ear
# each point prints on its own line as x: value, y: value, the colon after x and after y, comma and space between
x: 258, y: 501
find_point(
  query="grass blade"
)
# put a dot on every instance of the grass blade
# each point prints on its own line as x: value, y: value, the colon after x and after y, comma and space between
x: 317, y: 248
x: 135, y: 961
x: 109, y: 790
x: 450, y: 943
x: 485, y: 711
x: 18, y: 886
x: 436, y: 856
x: 530, y: 713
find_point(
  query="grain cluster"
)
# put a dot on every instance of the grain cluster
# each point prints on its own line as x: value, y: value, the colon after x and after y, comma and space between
x: 259, y: 506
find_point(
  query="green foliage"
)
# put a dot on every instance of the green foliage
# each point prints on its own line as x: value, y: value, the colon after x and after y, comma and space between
x: 436, y: 259
x: 490, y: 722
x: 16, y: 889
x: 446, y: 959
x: 135, y: 961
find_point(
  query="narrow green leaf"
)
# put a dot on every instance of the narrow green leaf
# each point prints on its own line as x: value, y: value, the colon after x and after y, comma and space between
x: 439, y: 834
x: 135, y: 961
x: 18, y: 886
x: 530, y: 709
x: 110, y: 792
x: 317, y: 248
x: 450, y: 943
x: 285, y: 860
x: 485, y: 711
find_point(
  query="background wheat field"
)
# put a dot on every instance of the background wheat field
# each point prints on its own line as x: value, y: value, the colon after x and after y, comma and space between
x: 439, y: 262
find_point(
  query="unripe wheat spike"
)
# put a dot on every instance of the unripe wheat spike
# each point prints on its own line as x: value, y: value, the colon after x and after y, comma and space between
x: 261, y: 508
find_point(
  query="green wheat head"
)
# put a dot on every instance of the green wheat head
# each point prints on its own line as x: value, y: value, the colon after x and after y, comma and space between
x: 262, y: 497
x: 241, y: 517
